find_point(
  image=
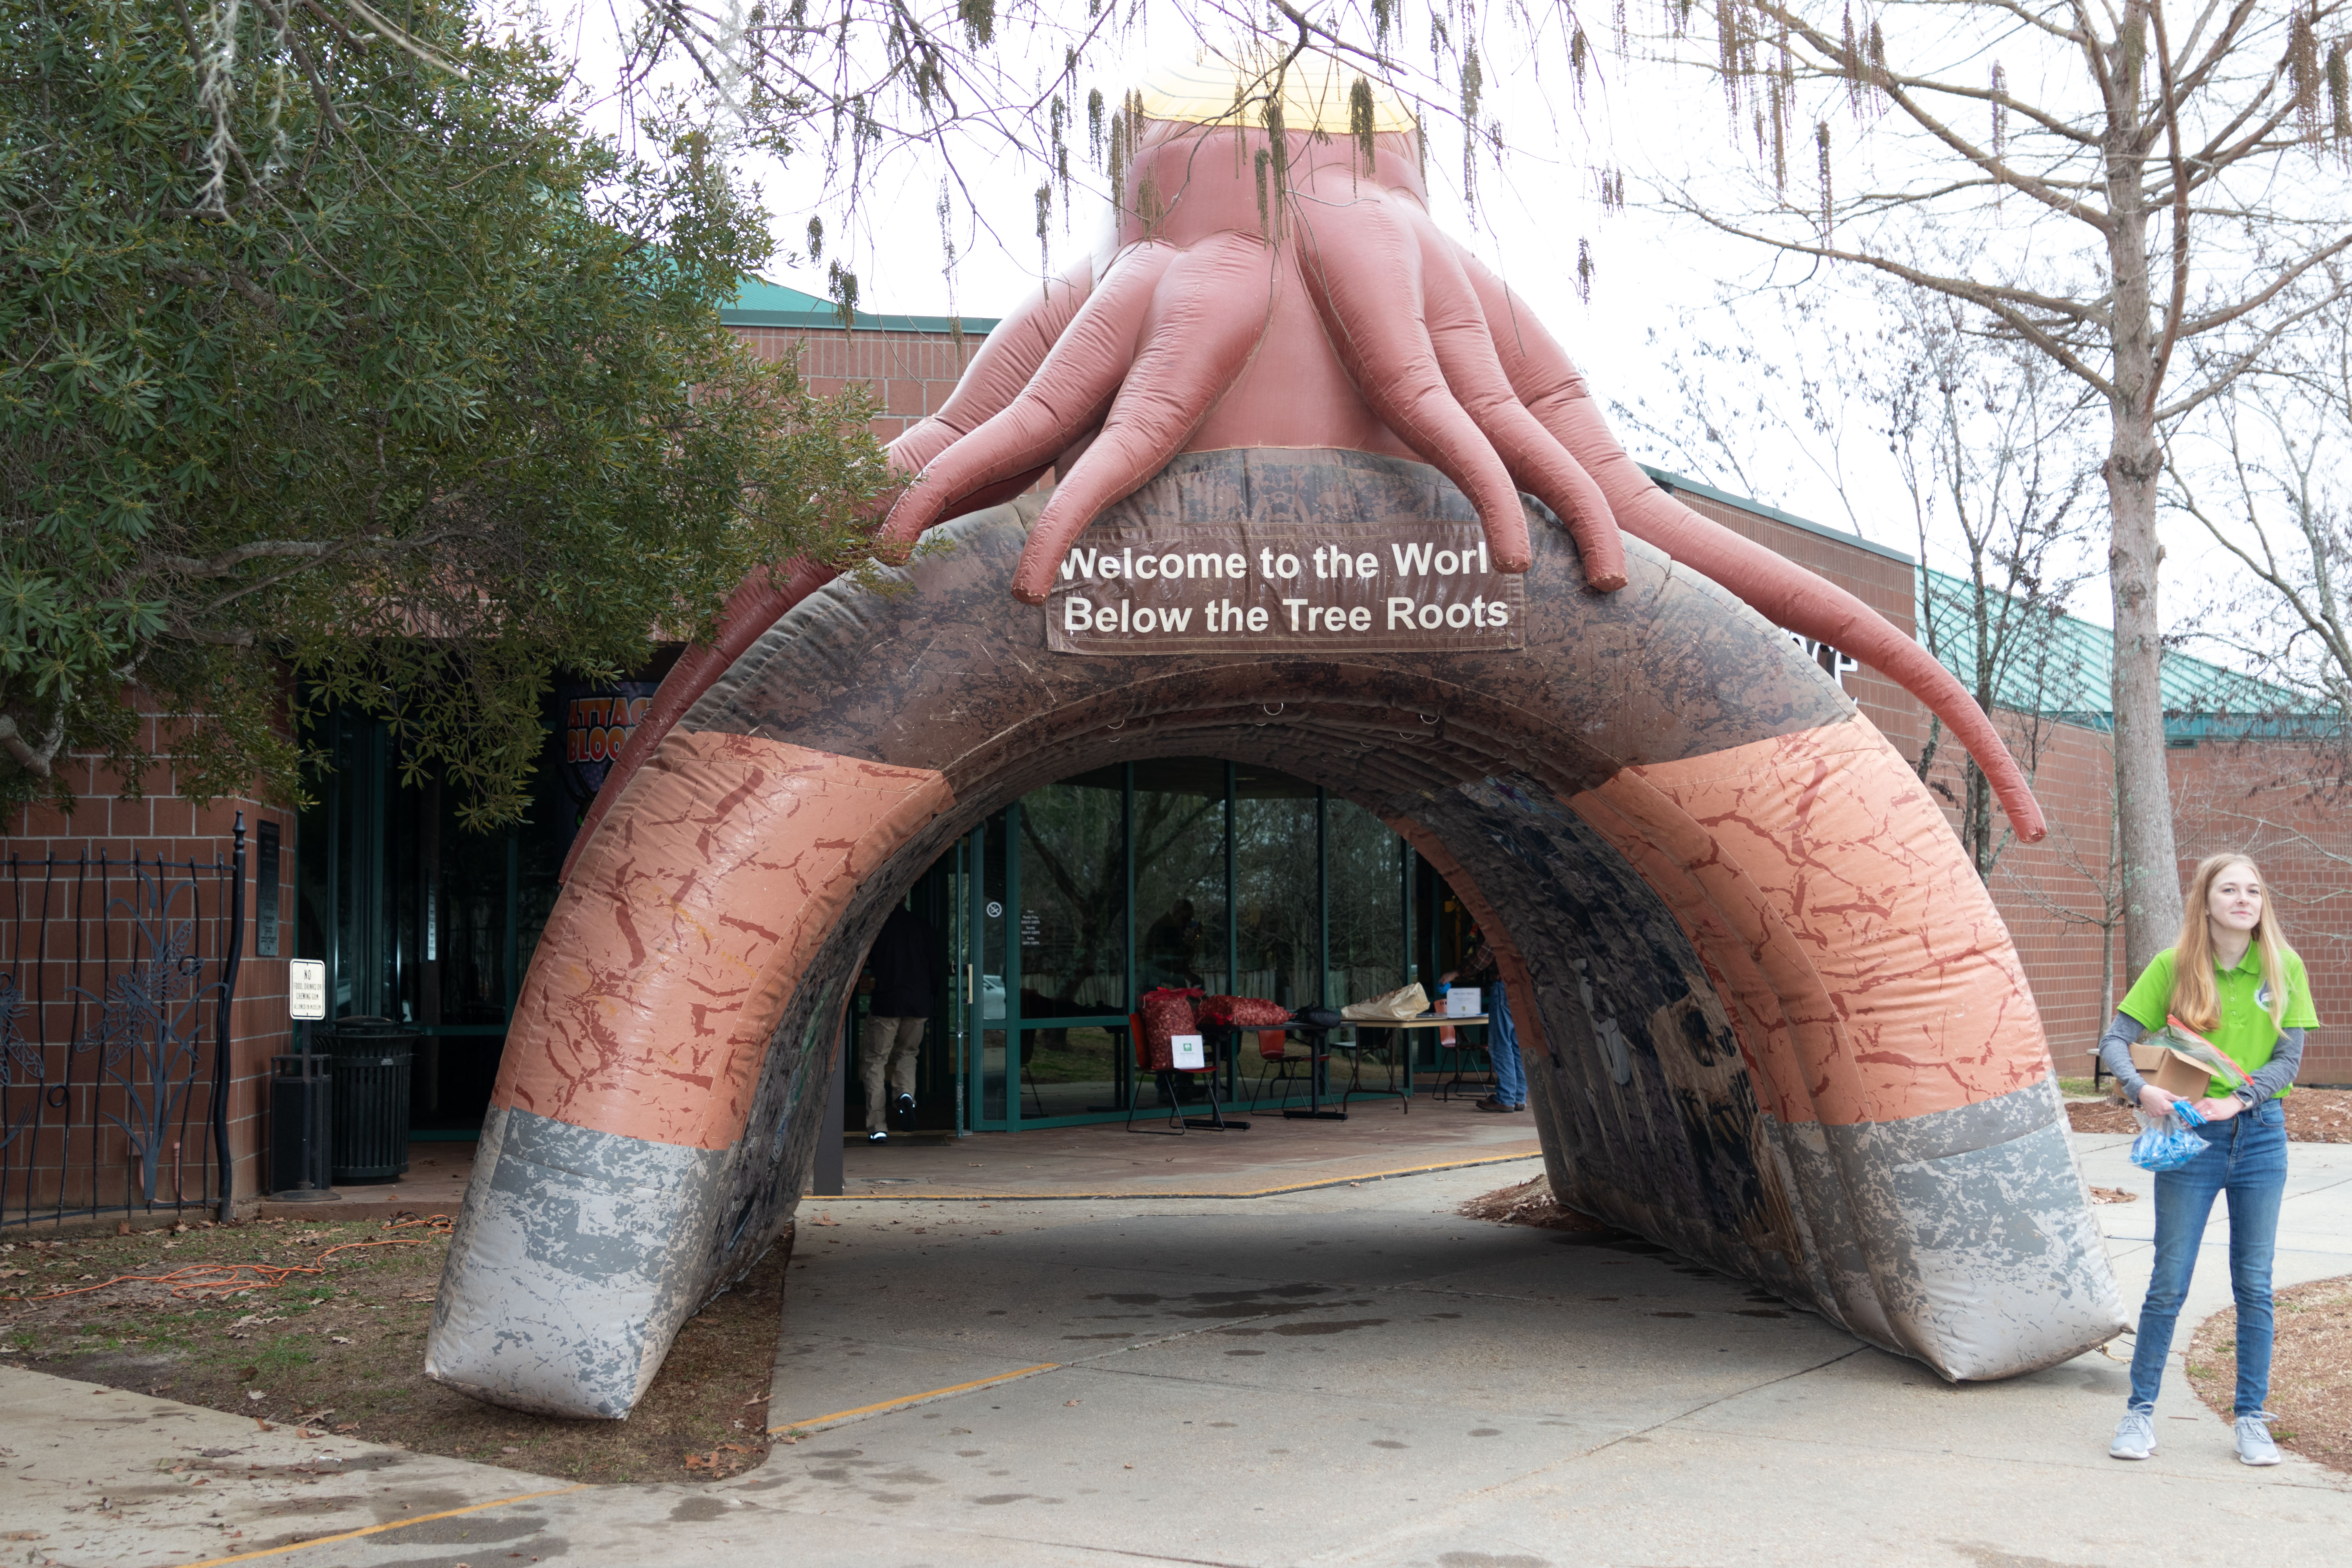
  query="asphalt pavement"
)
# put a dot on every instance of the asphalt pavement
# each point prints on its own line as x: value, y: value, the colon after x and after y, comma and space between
x: 1348, y: 1375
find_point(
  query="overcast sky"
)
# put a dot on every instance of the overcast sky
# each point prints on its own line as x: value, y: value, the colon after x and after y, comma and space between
x: 1530, y: 216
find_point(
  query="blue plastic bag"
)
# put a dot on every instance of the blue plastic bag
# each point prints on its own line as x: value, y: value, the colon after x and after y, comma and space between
x: 2164, y: 1142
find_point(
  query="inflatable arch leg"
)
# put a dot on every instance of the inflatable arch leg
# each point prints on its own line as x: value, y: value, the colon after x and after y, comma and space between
x: 1776, y: 1024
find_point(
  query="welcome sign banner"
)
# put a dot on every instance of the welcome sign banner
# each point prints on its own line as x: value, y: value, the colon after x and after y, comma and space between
x: 1397, y: 585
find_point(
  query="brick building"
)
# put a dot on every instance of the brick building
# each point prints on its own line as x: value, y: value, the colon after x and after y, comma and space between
x: 423, y: 925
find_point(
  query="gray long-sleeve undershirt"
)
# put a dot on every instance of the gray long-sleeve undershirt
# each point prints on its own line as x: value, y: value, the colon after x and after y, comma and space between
x: 2115, y: 1050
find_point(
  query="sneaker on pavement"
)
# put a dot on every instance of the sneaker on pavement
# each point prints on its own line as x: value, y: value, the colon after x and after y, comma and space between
x: 904, y: 1105
x: 2254, y: 1445
x: 2135, y: 1437
x: 877, y: 1136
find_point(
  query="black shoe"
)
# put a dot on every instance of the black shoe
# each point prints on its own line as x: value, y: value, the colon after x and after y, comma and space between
x: 904, y: 1106
x: 877, y: 1136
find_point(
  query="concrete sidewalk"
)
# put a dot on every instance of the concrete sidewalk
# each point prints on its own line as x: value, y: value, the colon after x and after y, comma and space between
x: 1350, y: 1376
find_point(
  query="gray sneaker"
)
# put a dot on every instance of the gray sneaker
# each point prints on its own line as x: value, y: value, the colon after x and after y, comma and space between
x: 2135, y: 1437
x: 2254, y: 1445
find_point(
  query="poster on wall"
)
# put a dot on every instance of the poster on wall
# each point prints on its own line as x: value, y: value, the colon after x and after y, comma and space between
x: 596, y: 721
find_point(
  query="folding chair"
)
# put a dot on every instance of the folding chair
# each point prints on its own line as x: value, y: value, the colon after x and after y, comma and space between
x: 1156, y: 1057
x: 1293, y: 1058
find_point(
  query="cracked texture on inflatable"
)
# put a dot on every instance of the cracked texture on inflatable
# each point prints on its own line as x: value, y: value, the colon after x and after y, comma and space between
x: 1822, y: 856
x: 648, y: 1008
x: 571, y: 1266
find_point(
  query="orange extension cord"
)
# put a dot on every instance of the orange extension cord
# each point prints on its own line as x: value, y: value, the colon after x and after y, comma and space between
x: 214, y: 1282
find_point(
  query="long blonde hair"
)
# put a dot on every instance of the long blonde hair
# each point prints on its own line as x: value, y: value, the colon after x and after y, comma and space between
x: 2194, y: 1000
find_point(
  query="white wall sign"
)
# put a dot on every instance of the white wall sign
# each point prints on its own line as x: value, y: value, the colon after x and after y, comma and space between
x: 306, y: 988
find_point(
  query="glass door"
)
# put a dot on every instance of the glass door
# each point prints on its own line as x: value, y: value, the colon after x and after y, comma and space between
x: 1069, y: 904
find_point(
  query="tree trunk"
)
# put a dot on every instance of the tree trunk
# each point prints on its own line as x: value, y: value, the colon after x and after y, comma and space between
x: 2149, y: 869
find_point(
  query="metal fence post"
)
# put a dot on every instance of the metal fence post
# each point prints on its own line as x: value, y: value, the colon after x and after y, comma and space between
x: 224, y: 1066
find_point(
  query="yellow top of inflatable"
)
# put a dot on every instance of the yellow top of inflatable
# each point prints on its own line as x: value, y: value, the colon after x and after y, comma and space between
x: 1314, y: 90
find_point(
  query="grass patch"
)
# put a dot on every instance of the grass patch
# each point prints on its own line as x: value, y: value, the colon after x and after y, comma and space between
x: 341, y: 1350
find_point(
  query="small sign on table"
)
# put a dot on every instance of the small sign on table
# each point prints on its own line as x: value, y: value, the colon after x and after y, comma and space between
x: 1186, y: 1053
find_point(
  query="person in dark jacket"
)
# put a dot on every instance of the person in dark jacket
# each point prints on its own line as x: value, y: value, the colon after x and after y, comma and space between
x: 901, y: 970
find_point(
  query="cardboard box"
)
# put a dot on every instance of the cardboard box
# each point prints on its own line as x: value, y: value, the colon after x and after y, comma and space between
x: 2171, y: 1071
x: 1462, y: 1002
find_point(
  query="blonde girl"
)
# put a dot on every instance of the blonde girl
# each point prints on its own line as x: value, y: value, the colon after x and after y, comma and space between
x: 2232, y: 979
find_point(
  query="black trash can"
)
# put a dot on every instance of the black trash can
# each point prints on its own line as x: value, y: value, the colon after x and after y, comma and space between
x: 370, y: 1059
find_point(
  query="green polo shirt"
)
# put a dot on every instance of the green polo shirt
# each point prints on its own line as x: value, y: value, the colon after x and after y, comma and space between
x: 2244, y: 1034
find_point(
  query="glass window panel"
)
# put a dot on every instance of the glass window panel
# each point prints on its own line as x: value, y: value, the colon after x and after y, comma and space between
x: 1074, y: 899
x: 990, y: 961
x: 1070, y: 1071
x: 1366, y: 867
x: 1276, y: 891
x: 1180, y: 874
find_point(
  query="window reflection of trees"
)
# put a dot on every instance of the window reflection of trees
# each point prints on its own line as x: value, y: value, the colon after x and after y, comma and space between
x: 1074, y: 901
x: 1366, y: 868
x: 1180, y: 875
x: 1276, y: 886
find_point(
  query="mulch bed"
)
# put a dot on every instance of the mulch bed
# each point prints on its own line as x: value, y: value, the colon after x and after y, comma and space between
x: 2311, y: 1370
x: 337, y: 1345
x: 2313, y: 1116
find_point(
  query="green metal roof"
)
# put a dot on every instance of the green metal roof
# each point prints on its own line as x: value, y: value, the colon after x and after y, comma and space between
x: 2064, y: 674
x: 759, y: 303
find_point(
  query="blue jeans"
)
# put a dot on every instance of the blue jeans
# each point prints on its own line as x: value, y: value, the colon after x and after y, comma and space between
x: 2246, y: 1158
x: 1503, y: 1049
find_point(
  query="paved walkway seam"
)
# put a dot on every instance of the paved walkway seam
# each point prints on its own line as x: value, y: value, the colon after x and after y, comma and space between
x: 1131, y: 1196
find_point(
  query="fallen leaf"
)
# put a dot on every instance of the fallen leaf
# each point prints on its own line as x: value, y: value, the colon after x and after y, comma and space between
x: 339, y: 1339
x: 1068, y: 1402
x: 824, y: 1219
x: 349, y: 1427
x: 265, y: 1425
x: 14, y: 1273
x: 510, y: 1449
x: 255, y: 1393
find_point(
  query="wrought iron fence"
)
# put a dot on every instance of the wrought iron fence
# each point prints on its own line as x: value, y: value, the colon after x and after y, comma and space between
x: 118, y: 976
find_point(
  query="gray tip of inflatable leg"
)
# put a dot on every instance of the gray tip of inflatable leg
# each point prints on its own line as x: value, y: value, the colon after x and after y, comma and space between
x: 571, y: 1267
x: 1986, y: 1253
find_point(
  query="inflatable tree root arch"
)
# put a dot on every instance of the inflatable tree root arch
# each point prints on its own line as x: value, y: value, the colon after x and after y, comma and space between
x: 1770, y: 1017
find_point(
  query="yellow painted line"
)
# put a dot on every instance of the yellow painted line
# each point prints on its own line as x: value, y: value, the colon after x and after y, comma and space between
x: 899, y: 1403
x: 380, y: 1528
x: 1249, y: 1193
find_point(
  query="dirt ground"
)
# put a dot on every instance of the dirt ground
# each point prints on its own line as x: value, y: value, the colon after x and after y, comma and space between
x: 2311, y: 1370
x: 337, y: 1344
x: 2313, y: 1116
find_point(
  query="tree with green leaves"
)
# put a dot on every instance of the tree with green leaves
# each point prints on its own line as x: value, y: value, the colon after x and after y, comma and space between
x: 346, y: 366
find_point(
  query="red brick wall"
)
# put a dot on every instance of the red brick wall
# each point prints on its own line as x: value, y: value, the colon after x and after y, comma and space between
x: 167, y: 824
x: 911, y: 373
